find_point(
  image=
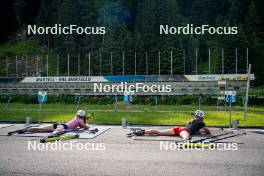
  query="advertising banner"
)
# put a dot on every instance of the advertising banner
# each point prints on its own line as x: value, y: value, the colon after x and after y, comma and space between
x: 143, y: 78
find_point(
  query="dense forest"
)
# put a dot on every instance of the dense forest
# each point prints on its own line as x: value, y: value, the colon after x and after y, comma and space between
x: 133, y: 26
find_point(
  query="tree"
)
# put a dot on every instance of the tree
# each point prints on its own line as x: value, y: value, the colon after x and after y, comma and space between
x: 255, y: 28
x: 238, y: 11
x: 25, y: 11
x: 203, y: 12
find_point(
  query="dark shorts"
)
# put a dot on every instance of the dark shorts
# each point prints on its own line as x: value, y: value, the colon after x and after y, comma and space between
x: 177, y: 130
x: 55, y: 125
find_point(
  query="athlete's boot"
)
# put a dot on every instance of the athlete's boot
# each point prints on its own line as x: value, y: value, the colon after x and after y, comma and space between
x: 139, y: 132
x: 22, y: 131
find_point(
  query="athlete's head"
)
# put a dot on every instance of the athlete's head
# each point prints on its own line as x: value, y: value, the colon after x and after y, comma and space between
x: 81, y: 113
x: 199, y: 114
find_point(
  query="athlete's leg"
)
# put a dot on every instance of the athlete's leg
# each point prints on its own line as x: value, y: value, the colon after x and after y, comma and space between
x: 185, y: 135
x: 168, y: 132
x: 151, y: 132
x: 59, y: 130
x: 41, y: 130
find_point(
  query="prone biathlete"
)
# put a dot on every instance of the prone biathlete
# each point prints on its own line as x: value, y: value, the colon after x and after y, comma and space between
x: 193, y: 126
x: 59, y: 128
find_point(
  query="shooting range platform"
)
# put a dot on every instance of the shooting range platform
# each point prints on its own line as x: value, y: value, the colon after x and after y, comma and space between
x: 126, y: 156
x: 83, y: 134
x: 5, y: 125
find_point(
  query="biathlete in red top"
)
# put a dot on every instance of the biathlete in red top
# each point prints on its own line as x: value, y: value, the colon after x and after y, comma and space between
x: 193, y: 126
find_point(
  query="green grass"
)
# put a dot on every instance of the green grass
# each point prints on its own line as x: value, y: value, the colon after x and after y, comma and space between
x: 142, y: 114
x: 124, y: 107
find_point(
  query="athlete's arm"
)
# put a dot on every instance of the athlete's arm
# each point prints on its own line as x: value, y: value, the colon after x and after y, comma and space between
x: 83, y: 125
x: 206, y: 130
x: 188, y: 123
